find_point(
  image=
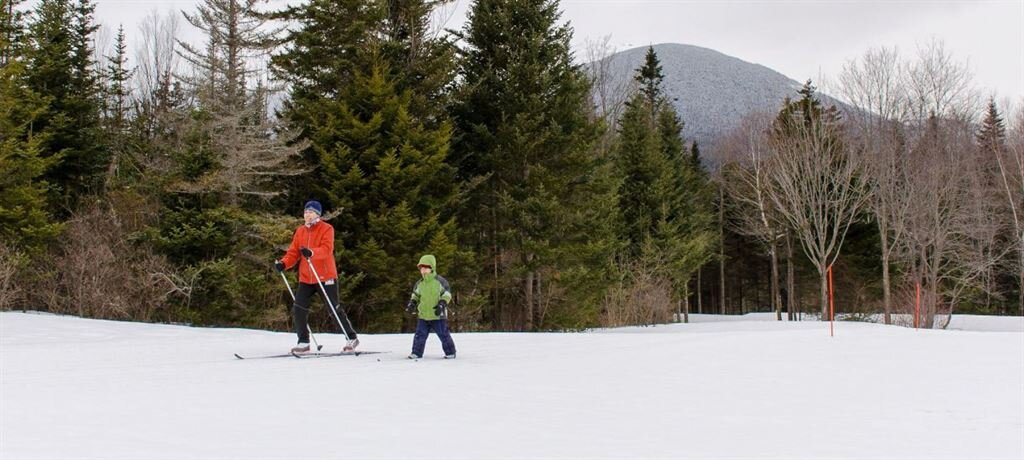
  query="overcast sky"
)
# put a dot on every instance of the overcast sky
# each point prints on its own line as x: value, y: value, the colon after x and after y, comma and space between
x: 799, y: 38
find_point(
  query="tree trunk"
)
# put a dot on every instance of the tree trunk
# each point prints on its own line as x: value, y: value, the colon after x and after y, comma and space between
x: 542, y: 306
x: 743, y: 297
x: 499, y: 317
x: 776, y: 301
x: 886, y: 283
x: 721, y: 248
x: 790, y: 280
x: 824, y: 293
x: 528, y: 310
x: 700, y: 293
x: 686, y: 302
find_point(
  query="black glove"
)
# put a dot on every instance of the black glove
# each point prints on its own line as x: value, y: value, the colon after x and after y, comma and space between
x: 411, y: 307
x: 306, y: 252
x: 440, y: 307
x: 278, y: 265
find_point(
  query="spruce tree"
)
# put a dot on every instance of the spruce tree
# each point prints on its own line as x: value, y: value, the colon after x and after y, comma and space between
x: 116, y: 104
x: 992, y: 135
x: 664, y: 199
x: 366, y: 81
x: 25, y: 223
x: 12, y: 29
x: 60, y: 68
x: 525, y: 143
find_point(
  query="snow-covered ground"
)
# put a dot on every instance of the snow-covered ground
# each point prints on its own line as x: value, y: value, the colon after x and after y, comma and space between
x: 77, y: 388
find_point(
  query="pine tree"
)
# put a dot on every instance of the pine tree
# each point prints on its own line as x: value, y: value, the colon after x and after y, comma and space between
x: 647, y: 154
x: 117, y: 99
x: 60, y: 68
x: 525, y: 143
x: 422, y: 61
x: 664, y: 200
x: 24, y: 222
x: 992, y: 135
x: 387, y: 173
x: 12, y: 29
x: 366, y: 82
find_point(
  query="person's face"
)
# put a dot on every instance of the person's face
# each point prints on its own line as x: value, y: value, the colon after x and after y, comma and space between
x: 424, y: 270
x: 310, y: 215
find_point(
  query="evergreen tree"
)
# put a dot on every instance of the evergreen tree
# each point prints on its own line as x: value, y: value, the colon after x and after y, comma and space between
x: 664, y: 200
x: 534, y: 212
x: 24, y: 222
x: 422, y: 61
x: 992, y: 135
x: 60, y: 69
x: 366, y: 81
x: 117, y: 94
x: 12, y: 29
x: 644, y: 172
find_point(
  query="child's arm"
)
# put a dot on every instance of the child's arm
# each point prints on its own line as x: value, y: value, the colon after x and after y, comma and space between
x: 414, y: 299
x: 446, y: 293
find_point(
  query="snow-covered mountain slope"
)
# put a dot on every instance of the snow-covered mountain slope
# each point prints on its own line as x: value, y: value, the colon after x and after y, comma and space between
x: 77, y: 388
x: 711, y: 91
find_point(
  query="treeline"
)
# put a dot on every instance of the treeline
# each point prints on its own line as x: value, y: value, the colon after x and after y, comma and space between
x: 162, y: 187
x: 911, y: 194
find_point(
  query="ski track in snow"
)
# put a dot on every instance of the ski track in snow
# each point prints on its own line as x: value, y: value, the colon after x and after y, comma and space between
x: 737, y: 387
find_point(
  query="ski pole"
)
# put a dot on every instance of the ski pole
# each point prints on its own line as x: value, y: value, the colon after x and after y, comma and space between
x: 326, y: 298
x: 311, y: 336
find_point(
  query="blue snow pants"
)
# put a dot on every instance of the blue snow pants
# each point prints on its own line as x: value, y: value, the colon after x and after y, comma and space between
x: 440, y: 327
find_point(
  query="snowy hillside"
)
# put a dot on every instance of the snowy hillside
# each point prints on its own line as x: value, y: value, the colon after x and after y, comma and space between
x: 76, y: 388
x: 711, y: 91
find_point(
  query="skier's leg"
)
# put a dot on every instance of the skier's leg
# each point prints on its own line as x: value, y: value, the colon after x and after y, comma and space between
x: 441, y: 327
x: 300, y: 310
x: 332, y: 296
x: 419, y: 341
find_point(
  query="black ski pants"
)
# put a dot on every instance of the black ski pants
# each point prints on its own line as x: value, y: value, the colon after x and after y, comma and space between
x: 300, y: 311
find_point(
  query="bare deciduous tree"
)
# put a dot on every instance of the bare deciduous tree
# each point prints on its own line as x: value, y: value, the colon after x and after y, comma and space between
x: 938, y: 84
x: 156, y: 56
x: 875, y: 87
x: 611, y: 90
x: 817, y: 190
x: 944, y: 235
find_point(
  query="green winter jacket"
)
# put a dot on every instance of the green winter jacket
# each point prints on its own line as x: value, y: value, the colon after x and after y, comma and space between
x: 428, y: 291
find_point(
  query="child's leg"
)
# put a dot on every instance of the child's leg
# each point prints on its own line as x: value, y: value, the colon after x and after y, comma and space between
x: 419, y: 341
x: 441, y: 328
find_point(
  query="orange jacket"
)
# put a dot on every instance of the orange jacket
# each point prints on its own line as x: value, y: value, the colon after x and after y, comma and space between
x: 320, y: 239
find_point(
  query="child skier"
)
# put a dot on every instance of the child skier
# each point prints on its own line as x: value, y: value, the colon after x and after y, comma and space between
x: 314, y: 240
x: 430, y: 297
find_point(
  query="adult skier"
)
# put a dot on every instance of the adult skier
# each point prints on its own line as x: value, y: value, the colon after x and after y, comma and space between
x: 314, y: 242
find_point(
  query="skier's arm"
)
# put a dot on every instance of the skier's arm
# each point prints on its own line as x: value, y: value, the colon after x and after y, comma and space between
x: 291, y: 256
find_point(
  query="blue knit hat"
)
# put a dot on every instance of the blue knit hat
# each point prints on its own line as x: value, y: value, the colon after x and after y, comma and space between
x: 314, y: 205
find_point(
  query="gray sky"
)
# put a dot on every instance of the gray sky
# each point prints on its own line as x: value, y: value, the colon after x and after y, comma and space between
x: 799, y: 38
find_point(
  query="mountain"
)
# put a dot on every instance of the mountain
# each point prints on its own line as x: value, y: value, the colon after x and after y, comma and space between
x: 710, y: 90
